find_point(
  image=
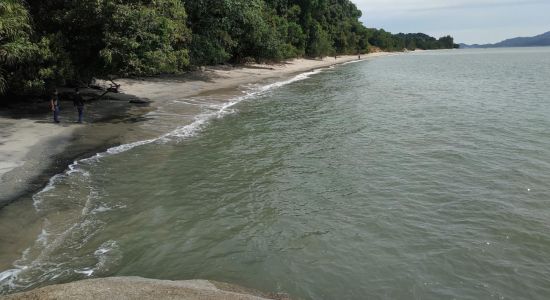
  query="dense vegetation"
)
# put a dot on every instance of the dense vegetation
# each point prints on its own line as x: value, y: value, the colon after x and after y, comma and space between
x: 44, y: 43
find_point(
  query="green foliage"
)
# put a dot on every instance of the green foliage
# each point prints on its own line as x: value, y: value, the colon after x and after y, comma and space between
x: 15, y: 46
x: 126, y: 38
x: 144, y: 39
x: 50, y: 42
x: 446, y: 42
x: 235, y: 30
x: 28, y: 63
x: 412, y: 41
x: 47, y: 67
x: 319, y: 42
x: 78, y: 26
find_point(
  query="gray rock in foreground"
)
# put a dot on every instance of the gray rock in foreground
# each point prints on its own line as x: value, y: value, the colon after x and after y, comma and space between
x: 141, y: 288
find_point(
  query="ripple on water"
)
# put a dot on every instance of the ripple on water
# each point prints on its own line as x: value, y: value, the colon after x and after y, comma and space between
x: 417, y: 176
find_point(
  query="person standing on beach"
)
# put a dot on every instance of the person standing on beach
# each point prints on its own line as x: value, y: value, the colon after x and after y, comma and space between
x: 54, y: 105
x: 78, y: 102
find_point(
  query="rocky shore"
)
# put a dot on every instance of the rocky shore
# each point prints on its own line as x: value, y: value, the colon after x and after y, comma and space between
x: 141, y: 288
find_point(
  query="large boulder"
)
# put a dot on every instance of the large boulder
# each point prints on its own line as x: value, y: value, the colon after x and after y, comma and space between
x: 122, y: 288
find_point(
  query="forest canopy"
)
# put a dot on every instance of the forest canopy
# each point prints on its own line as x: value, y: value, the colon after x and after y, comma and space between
x: 45, y: 43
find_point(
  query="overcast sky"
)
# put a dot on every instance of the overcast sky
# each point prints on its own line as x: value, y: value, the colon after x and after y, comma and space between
x: 468, y: 21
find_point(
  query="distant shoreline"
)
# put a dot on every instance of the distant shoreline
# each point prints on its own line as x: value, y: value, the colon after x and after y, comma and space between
x: 541, y: 40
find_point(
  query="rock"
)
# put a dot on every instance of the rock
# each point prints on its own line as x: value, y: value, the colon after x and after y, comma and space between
x: 141, y: 288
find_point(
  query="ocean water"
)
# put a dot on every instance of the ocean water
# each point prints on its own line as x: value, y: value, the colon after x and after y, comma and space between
x: 415, y: 176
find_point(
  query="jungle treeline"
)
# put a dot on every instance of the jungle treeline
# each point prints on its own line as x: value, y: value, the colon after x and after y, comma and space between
x: 45, y: 43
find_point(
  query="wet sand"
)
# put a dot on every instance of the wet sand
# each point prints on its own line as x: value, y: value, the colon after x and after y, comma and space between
x: 33, y: 148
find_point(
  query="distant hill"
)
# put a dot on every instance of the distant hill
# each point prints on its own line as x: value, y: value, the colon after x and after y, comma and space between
x: 535, y: 41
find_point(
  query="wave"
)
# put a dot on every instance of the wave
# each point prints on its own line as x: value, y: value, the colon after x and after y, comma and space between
x: 353, y: 62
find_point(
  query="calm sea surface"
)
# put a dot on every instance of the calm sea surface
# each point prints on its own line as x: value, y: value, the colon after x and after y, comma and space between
x: 416, y: 176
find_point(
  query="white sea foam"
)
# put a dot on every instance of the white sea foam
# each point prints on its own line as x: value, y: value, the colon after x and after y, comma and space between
x: 9, y: 274
x: 107, y: 255
x: 104, y: 208
x: 105, y: 248
x: 7, y: 277
x: 43, y: 237
x: 86, y: 271
x: 274, y: 85
x: 353, y: 62
x: 37, y: 198
x: 101, y: 209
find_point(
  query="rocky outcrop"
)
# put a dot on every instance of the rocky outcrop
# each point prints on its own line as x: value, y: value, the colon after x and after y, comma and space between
x: 141, y: 288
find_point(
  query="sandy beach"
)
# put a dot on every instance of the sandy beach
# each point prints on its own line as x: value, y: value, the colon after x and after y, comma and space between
x: 227, y: 77
x: 32, y: 148
x: 24, y: 143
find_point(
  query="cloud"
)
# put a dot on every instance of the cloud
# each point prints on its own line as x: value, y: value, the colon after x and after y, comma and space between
x: 431, y: 5
x: 470, y: 21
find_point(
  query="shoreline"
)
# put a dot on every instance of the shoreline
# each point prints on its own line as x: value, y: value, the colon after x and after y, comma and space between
x: 33, y: 149
x: 216, y: 78
x: 113, y: 123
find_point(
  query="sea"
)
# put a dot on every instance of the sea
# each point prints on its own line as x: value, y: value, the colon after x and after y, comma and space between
x: 422, y: 175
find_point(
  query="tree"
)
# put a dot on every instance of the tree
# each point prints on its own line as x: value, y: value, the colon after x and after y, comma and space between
x: 144, y: 39
x: 29, y: 64
x: 319, y: 44
x: 16, y: 48
x: 446, y: 42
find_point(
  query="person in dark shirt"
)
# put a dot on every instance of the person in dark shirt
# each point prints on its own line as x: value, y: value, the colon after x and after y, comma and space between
x: 54, y: 105
x: 78, y: 102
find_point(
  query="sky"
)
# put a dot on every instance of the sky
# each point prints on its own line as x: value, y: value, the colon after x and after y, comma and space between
x: 468, y: 21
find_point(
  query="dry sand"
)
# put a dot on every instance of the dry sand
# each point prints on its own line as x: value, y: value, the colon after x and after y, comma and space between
x: 33, y: 148
x: 227, y: 77
x: 25, y: 145
x: 18, y: 136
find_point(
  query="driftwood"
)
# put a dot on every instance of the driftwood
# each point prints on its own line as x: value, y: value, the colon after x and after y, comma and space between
x: 113, y: 88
